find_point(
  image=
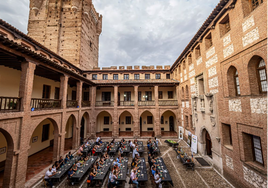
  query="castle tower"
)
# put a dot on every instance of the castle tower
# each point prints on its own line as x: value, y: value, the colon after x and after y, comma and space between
x: 70, y: 28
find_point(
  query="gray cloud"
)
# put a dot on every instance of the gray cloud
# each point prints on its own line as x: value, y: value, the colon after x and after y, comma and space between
x: 135, y: 32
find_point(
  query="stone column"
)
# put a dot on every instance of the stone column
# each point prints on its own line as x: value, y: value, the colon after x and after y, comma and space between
x: 79, y: 87
x: 136, y: 113
x: 156, y: 96
x: 63, y: 90
x: 157, y: 126
x: 115, y: 124
x: 93, y: 114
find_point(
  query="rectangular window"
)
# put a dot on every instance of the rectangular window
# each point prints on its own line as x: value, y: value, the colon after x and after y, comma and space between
x: 57, y: 93
x: 149, y: 119
x: 126, y: 76
x: 128, y: 119
x: 148, y: 96
x: 170, y: 94
x: 106, y: 120
x: 106, y: 96
x: 73, y: 95
x: 197, y: 52
x: 160, y: 95
x: 46, y: 92
x: 201, y: 87
x: 139, y: 96
x: 167, y: 76
x: 191, y: 121
x: 45, y: 132
x: 115, y: 76
x: 227, y: 134
x: 147, y: 76
x: 224, y: 25
x: 162, y: 119
x: 86, y: 96
x: 105, y: 76
x: 128, y: 129
x: 257, y: 149
x: 136, y: 76
x: 208, y: 41
x: 127, y: 96
x: 157, y: 76
x: 94, y: 76
x: 186, y: 121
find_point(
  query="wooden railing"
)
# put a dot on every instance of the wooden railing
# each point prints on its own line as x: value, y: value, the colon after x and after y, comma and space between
x: 104, y: 103
x: 126, y: 103
x: 40, y: 104
x: 86, y: 103
x: 146, y: 103
x: 71, y: 104
x: 9, y: 104
x: 168, y: 102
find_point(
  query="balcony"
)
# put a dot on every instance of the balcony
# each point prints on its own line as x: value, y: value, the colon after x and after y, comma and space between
x: 86, y: 103
x: 168, y: 102
x: 72, y: 104
x: 42, y: 104
x: 146, y: 103
x: 126, y: 103
x: 104, y: 103
x: 9, y: 104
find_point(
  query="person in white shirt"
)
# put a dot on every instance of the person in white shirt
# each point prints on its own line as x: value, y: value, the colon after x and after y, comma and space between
x: 157, y: 179
x: 135, y: 152
x: 49, y: 174
x: 54, y: 169
x: 98, y: 139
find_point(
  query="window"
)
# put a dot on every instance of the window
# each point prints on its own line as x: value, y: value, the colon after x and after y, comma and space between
x: 162, y: 119
x: 139, y: 96
x: 208, y: 41
x: 257, y: 150
x: 182, y: 93
x: 187, y: 92
x: 186, y: 121
x: 105, y: 76
x: 179, y: 69
x: 250, y: 5
x: 115, y: 76
x: 45, y: 132
x: 126, y: 76
x: 149, y: 119
x: 86, y: 96
x: 128, y: 119
x: 136, y: 76
x: 148, y: 96
x: 128, y: 129
x: 167, y: 76
x: 46, y: 92
x: 200, y: 84
x: 160, y: 95
x: 73, y: 95
x: 262, y: 76
x: 170, y: 94
x: 255, y: 3
x: 190, y: 59
x: 106, y: 96
x: 227, y: 134
x: 184, y: 64
x: 147, y: 76
x: 237, y: 85
x: 57, y: 93
x: 106, y: 120
x: 191, y: 121
x: 94, y: 76
x: 197, y: 52
x: 157, y: 76
x: 224, y: 25
x: 127, y: 96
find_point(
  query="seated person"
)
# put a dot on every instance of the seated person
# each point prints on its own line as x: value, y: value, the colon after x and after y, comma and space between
x: 91, y: 176
x: 116, y: 163
x: 86, y: 158
x: 70, y: 173
x: 80, y: 150
x: 157, y: 179
x: 106, y: 156
x: 119, y: 158
x: 61, y: 161
x: 101, y: 161
x: 70, y: 156
x: 57, y: 165
x: 95, y: 169
x: 67, y: 159
x: 54, y: 169
x: 74, y: 167
x: 49, y: 174
x: 134, y: 178
x: 94, y: 151
x: 81, y: 161
x: 153, y: 170
x: 114, y: 179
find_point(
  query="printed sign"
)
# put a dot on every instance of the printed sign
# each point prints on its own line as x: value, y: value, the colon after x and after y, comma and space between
x: 194, y: 144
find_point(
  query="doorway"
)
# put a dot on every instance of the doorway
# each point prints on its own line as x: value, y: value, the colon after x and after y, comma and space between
x: 171, y: 123
x: 208, y: 145
x: 82, y: 131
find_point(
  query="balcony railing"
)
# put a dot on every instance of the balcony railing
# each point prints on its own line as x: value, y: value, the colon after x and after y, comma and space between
x: 104, y: 103
x: 71, y: 104
x: 168, y: 102
x: 40, y: 104
x: 126, y: 103
x: 9, y: 104
x: 86, y: 103
x: 146, y: 103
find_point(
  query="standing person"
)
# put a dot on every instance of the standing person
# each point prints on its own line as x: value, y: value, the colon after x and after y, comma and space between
x: 49, y: 174
x: 156, y: 141
x: 98, y: 139
x: 134, y: 178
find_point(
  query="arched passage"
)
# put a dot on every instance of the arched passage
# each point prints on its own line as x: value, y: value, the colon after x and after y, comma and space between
x: 84, y: 127
x: 104, y: 124
x: 207, y: 143
x: 43, y: 147
x: 126, y: 124
x: 147, y: 124
x: 6, y: 158
x: 168, y: 124
x: 70, y: 134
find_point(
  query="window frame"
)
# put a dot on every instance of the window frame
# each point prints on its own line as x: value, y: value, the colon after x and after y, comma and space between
x: 160, y: 94
x: 94, y: 76
x: 237, y: 86
x: 167, y: 76
x: 46, y: 91
x: 147, y: 77
x: 253, y: 148
x: 149, y: 119
x: 258, y: 69
x: 57, y: 93
x: 126, y: 76
x: 45, y: 132
x: 115, y: 77
x: 170, y: 93
x: 127, y: 96
x: 105, y: 76
x: 136, y: 76
x: 157, y: 76
x: 128, y: 120
x: 105, y: 118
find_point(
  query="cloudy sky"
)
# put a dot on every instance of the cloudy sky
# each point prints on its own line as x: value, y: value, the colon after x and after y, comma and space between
x: 135, y: 32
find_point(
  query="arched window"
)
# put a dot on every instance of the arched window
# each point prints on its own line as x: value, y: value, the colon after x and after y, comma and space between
x: 262, y: 78
x: 182, y: 93
x: 179, y: 69
x: 237, y: 85
x: 187, y: 93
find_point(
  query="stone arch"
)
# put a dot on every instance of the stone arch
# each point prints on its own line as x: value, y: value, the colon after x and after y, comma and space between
x: 207, y: 145
x: 126, y: 125
x: 101, y: 125
x: 86, y: 120
x: 72, y: 121
x: 8, y: 175
x: 172, y: 124
x: 126, y: 111
x: 144, y: 126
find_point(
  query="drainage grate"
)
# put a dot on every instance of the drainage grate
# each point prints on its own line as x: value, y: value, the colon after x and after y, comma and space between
x: 202, y: 161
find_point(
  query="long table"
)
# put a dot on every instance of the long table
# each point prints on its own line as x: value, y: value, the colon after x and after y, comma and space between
x: 142, y: 171
x: 123, y: 169
x: 87, y: 149
x: 162, y: 168
x: 114, y: 149
x: 64, y: 169
x: 101, y: 173
x: 83, y: 170
x: 140, y: 147
x: 102, y: 148
x: 186, y: 161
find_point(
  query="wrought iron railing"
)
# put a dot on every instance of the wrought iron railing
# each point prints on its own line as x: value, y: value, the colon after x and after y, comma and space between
x: 146, y: 103
x: 104, y: 103
x: 9, y: 104
x: 72, y: 104
x: 86, y: 103
x: 39, y: 104
x: 168, y: 102
x: 126, y: 103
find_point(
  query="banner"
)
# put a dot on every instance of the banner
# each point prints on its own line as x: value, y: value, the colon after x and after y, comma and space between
x: 194, y: 144
x: 189, y: 140
x: 180, y: 133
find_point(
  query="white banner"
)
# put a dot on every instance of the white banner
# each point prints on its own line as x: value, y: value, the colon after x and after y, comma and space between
x: 180, y: 133
x: 194, y: 144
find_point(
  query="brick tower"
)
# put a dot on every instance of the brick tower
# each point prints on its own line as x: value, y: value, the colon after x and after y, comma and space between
x: 70, y: 28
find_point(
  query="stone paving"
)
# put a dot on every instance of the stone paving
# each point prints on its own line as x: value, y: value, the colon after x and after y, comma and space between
x: 181, y: 177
